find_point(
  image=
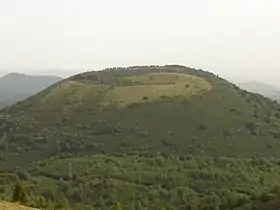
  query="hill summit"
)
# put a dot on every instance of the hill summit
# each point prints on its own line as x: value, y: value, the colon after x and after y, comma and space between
x: 140, y: 110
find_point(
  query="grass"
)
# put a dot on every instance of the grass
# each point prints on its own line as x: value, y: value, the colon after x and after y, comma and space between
x: 153, y: 87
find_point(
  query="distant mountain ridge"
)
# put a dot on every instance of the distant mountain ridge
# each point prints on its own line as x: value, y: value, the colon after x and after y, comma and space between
x: 267, y: 90
x: 15, y: 87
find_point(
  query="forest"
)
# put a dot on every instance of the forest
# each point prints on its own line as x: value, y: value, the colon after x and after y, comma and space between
x: 152, y: 182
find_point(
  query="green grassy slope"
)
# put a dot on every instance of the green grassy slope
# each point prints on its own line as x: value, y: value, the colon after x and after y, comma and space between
x: 140, y: 110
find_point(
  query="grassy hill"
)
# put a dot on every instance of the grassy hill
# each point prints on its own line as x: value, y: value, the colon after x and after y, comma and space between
x: 139, y: 111
x: 144, y: 136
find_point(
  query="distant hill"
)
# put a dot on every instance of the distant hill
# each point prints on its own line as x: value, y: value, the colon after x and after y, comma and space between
x: 261, y: 88
x: 15, y: 87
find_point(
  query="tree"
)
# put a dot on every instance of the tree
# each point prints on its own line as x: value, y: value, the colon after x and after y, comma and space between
x: 63, y: 203
x: 18, y: 194
x: 41, y: 202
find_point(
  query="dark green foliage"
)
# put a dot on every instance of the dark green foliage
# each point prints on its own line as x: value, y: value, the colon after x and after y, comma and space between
x: 62, y: 203
x: 158, y: 181
x: 19, y: 195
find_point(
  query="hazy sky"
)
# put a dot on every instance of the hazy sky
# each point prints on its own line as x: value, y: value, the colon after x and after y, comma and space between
x: 236, y: 38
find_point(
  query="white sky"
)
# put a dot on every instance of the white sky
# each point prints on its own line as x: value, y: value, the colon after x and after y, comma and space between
x: 236, y: 38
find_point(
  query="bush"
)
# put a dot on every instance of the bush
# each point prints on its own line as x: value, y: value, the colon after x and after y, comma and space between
x: 252, y: 126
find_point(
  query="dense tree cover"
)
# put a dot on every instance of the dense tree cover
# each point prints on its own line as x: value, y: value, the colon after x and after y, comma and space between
x: 155, y: 182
